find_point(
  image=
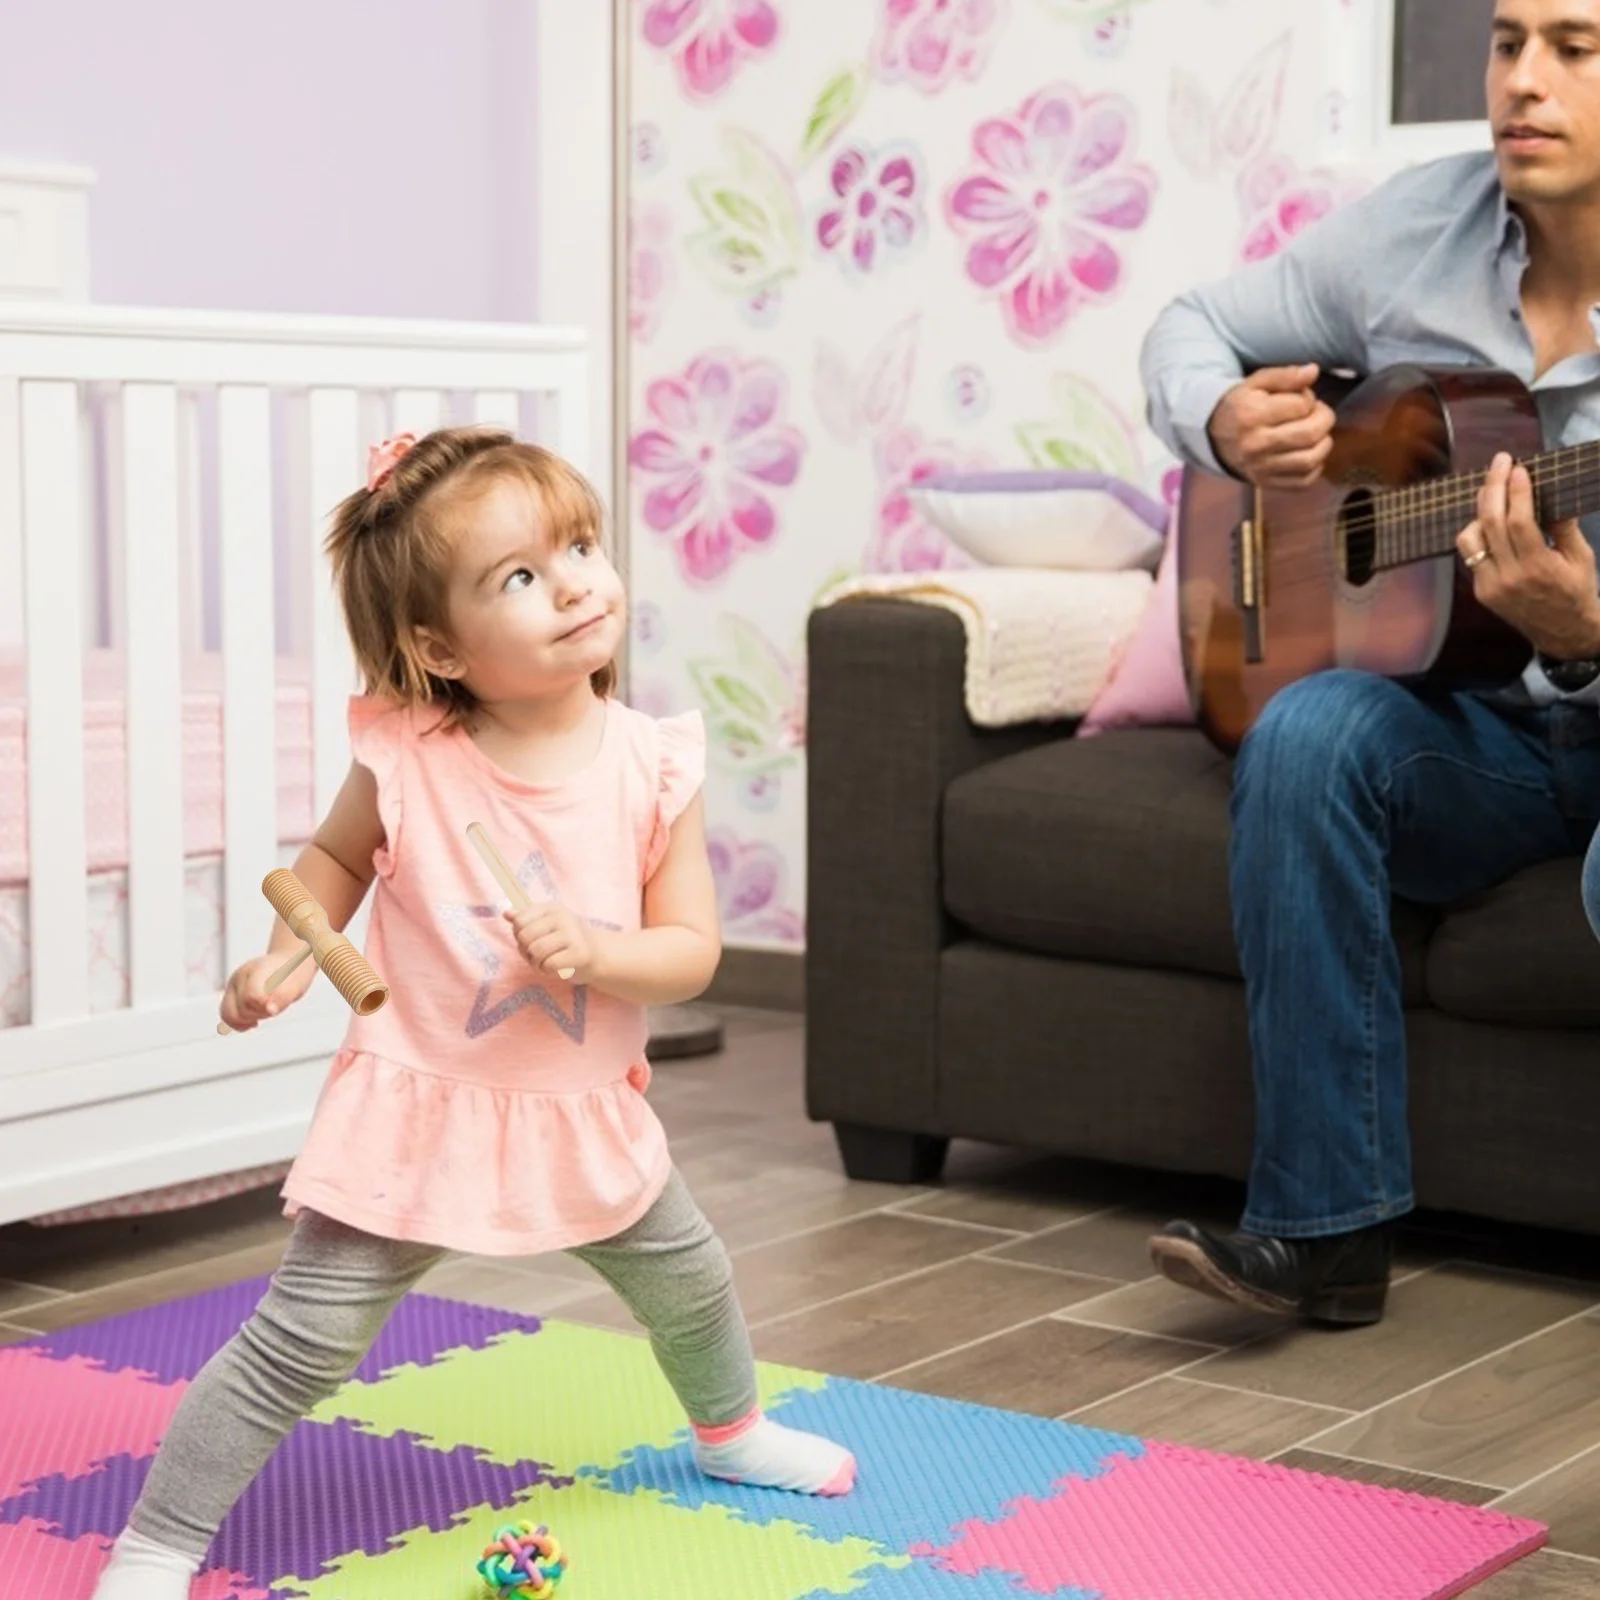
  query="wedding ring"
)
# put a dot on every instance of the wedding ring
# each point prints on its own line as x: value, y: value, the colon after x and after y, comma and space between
x: 1477, y: 558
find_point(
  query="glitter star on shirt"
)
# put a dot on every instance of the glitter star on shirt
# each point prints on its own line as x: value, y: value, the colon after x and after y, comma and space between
x: 465, y: 923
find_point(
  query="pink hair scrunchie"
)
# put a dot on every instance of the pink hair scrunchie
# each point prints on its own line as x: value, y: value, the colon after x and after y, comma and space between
x: 383, y: 458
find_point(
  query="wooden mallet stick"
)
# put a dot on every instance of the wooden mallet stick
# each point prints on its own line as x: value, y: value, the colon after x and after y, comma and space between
x: 514, y: 890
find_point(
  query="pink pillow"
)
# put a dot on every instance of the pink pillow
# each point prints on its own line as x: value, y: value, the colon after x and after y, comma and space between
x: 1147, y: 686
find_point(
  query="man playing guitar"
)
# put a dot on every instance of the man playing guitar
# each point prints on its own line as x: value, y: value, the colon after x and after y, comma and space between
x: 1352, y: 786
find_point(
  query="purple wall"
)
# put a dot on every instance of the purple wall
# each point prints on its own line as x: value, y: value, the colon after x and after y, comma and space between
x: 310, y: 155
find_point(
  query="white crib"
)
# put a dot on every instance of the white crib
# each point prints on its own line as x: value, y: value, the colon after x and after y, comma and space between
x: 173, y: 680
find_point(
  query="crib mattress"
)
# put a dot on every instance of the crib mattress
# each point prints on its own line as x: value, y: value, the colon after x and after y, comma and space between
x: 105, y: 754
x: 109, y: 988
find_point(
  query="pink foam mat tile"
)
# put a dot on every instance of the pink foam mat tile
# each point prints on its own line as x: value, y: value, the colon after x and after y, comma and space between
x: 66, y: 1416
x: 1188, y: 1524
x: 36, y: 1563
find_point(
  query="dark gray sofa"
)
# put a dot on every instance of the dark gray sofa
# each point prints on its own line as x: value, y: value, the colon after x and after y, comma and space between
x: 1023, y: 937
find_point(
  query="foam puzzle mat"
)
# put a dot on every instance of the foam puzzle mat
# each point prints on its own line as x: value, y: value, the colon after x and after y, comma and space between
x: 464, y: 1418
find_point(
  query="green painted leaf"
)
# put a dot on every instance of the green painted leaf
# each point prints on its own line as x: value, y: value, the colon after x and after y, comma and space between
x: 1049, y: 451
x: 752, y: 234
x: 738, y: 739
x: 731, y: 263
x: 733, y: 691
x: 741, y: 210
x: 759, y: 662
x: 730, y: 701
x: 1086, y: 433
x: 839, y: 101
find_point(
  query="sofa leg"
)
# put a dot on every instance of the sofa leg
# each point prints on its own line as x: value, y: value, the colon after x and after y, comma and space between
x: 878, y: 1155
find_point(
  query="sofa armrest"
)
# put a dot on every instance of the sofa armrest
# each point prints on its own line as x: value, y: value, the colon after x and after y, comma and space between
x: 887, y: 732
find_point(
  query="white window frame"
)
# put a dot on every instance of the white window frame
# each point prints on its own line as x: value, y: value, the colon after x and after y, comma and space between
x: 578, y: 86
x: 1360, y: 60
x: 582, y: 55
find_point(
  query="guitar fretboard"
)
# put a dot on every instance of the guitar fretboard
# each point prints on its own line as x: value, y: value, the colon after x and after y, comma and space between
x: 1423, y: 520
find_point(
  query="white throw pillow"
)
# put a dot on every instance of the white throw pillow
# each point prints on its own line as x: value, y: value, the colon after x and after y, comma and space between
x: 1078, y: 521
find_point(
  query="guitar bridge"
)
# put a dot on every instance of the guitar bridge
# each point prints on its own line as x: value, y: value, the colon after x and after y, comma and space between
x: 1249, y: 582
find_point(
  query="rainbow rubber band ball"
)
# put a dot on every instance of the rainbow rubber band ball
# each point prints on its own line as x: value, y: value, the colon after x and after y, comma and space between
x: 523, y: 1563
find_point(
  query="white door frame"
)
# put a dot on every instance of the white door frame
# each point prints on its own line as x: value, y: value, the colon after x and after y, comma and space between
x: 582, y: 107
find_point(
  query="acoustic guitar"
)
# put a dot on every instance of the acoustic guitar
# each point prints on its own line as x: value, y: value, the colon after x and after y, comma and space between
x: 1360, y: 570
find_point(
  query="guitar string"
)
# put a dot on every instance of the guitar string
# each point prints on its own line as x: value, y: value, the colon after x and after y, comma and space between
x: 1462, y: 497
x: 1460, y: 492
x: 1435, y: 498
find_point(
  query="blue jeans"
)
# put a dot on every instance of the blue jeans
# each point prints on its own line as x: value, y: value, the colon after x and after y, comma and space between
x: 1349, y: 788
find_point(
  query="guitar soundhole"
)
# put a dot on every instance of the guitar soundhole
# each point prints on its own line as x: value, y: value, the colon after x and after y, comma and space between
x: 1358, y: 537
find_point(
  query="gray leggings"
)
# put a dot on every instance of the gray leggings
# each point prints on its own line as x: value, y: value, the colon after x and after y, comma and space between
x: 332, y: 1295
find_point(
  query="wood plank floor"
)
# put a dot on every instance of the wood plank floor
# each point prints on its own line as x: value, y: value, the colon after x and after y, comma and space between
x: 1023, y: 1282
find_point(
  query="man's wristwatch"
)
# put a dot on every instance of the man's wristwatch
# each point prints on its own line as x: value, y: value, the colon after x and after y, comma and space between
x: 1569, y: 676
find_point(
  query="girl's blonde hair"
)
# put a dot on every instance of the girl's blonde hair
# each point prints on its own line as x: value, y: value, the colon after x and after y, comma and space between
x: 391, y: 552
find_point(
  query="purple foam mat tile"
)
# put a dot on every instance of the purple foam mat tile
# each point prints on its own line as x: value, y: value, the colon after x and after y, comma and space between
x: 333, y: 1490
x: 94, y: 1502
x: 329, y: 1490
x: 175, y: 1340
x: 168, y: 1342
x: 425, y: 1326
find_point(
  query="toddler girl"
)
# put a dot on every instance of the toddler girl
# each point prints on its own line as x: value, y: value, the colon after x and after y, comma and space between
x: 493, y: 1105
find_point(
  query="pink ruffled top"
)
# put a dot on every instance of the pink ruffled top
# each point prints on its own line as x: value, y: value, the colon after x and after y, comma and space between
x: 487, y: 1107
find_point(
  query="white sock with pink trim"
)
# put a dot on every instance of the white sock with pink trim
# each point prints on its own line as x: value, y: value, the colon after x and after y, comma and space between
x: 765, y: 1454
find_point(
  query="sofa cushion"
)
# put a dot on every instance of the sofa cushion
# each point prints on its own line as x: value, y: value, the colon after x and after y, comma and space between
x: 1112, y: 849
x: 1521, y: 953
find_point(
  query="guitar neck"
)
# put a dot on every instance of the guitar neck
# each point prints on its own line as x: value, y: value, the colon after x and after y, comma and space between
x: 1423, y: 520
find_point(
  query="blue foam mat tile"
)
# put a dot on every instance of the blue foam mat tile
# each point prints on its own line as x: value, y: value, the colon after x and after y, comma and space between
x: 926, y: 1465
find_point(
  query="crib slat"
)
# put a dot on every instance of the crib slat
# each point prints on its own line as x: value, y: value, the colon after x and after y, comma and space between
x: 250, y: 721
x: 191, y: 512
x: 335, y: 424
x: 156, y: 926
x: 52, y: 548
x: 497, y: 408
x: 417, y: 411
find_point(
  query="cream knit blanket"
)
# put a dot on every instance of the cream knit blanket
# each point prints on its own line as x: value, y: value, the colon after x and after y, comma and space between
x: 1040, y: 644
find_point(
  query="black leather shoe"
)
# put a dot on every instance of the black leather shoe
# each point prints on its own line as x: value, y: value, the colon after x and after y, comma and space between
x: 1343, y: 1278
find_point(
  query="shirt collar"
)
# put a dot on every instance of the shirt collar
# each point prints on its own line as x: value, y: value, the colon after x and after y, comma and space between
x: 1511, y: 234
x: 1511, y: 250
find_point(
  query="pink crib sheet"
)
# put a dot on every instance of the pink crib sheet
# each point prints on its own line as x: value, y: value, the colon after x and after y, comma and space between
x: 105, y: 749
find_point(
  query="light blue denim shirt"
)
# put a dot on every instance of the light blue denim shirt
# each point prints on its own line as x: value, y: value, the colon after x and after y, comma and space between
x: 1427, y: 267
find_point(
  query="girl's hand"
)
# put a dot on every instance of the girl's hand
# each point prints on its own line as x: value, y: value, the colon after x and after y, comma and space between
x: 245, y: 1001
x: 556, y: 941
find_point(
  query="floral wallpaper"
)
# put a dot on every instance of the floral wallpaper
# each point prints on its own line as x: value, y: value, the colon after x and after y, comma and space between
x: 872, y: 240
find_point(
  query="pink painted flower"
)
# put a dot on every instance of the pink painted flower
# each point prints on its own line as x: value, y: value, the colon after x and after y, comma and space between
x: 904, y: 540
x: 877, y: 201
x: 750, y: 889
x: 709, y: 39
x: 650, y: 275
x: 1279, y: 201
x: 1053, y: 190
x: 930, y: 43
x: 717, y: 444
